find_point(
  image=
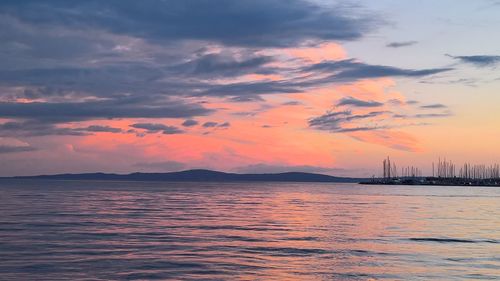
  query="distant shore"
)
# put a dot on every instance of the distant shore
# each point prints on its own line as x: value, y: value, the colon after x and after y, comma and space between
x: 199, y: 176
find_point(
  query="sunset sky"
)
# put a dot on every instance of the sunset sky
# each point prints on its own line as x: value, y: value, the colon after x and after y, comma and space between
x: 247, y: 86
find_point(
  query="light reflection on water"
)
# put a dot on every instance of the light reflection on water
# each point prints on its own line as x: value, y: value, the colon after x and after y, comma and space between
x: 52, y: 230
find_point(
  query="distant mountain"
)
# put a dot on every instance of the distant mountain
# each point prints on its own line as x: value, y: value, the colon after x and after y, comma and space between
x: 198, y: 176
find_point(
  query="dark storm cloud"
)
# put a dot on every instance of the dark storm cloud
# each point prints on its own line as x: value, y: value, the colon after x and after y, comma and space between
x: 350, y: 70
x: 401, y: 44
x: 479, y: 60
x: 241, y: 23
x: 433, y: 106
x: 358, y: 103
x: 157, y: 127
x: 118, y: 108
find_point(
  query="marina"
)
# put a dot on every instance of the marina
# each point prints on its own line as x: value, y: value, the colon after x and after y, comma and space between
x: 444, y: 173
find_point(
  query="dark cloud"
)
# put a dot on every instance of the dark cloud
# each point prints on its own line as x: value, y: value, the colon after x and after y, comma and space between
x: 433, y: 106
x: 422, y: 115
x: 350, y: 70
x: 401, y: 44
x: 35, y: 128
x: 94, y: 60
x: 433, y: 115
x: 292, y: 103
x: 350, y: 101
x: 189, y: 123
x: 247, y: 98
x: 157, y: 127
x: 479, y: 60
x: 224, y: 125
x: 251, y: 89
x: 396, y: 102
x: 337, y: 72
x: 13, y: 149
x: 103, y: 129
x: 268, y: 23
x: 219, y: 65
x: 210, y: 124
x: 164, y: 166
x: 335, y: 121
x: 91, y: 110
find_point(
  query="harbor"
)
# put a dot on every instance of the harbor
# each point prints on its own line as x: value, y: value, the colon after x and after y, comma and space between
x: 444, y: 173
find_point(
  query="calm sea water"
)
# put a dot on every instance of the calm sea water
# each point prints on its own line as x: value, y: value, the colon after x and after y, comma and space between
x: 57, y: 230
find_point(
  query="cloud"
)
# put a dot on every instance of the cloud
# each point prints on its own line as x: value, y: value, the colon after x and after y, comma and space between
x: 479, y: 60
x: 157, y: 127
x: 292, y: 103
x: 163, y: 166
x: 251, y: 89
x: 392, y: 139
x: 401, y: 44
x: 210, y: 124
x: 189, y: 123
x: 358, y: 103
x: 91, y: 110
x: 433, y: 115
x: 12, y: 145
x: 224, y: 125
x: 35, y: 128
x: 266, y: 168
x: 335, y: 121
x: 219, y: 65
x: 264, y: 23
x: 337, y: 72
x: 99, y: 128
x: 13, y: 149
x: 433, y: 106
x: 351, y: 70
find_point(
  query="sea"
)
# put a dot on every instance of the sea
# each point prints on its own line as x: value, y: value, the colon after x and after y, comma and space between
x: 102, y: 230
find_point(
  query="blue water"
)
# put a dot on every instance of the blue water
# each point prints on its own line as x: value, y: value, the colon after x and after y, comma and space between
x: 71, y: 230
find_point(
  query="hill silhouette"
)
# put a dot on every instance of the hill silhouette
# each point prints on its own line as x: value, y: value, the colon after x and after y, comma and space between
x: 198, y: 176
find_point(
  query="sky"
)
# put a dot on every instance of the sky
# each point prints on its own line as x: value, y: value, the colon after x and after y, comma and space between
x: 247, y: 86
